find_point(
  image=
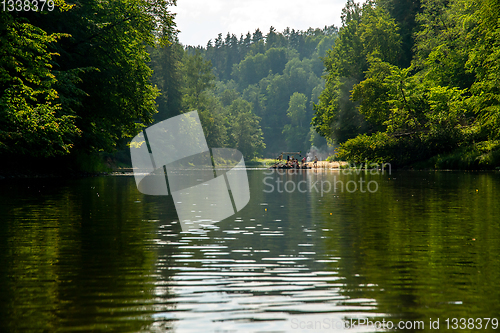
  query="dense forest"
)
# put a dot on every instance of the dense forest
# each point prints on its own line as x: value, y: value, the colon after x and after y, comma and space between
x: 254, y: 93
x: 412, y: 81
x: 74, y: 79
x: 401, y: 81
x: 79, y: 80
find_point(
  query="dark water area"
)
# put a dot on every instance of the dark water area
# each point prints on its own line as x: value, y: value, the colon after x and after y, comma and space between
x: 96, y: 255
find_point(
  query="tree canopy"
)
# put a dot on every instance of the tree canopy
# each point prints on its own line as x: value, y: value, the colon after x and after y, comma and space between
x: 77, y: 78
x: 269, y: 71
x: 380, y: 106
x: 399, y: 81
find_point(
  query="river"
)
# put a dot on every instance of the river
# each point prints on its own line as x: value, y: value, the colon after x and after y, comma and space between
x: 312, y: 251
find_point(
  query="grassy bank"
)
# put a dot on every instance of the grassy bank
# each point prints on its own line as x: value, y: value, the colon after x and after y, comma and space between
x: 259, y: 163
x: 483, y: 155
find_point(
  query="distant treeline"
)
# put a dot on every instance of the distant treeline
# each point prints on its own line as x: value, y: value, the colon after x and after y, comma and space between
x: 253, y: 92
x: 409, y: 80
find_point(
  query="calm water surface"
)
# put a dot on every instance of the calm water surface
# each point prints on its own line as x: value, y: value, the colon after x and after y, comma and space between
x: 96, y: 255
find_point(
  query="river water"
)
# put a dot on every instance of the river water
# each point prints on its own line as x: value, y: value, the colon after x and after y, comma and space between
x: 311, y: 252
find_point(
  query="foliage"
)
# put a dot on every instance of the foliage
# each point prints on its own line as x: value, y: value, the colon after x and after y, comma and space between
x: 32, y: 120
x: 483, y: 19
x: 399, y: 81
x: 245, y: 133
x: 267, y: 71
x: 374, y: 93
x: 76, y: 79
x: 111, y: 38
x: 167, y: 62
x: 297, y: 130
x: 198, y: 78
x: 446, y: 99
x: 226, y: 118
x: 367, y: 35
x: 482, y: 155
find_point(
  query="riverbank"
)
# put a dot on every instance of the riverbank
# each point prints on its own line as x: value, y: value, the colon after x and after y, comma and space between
x: 480, y: 155
x: 267, y: 162
x: 74, y: 166
x: 469, y: 158
x: 35, y: 175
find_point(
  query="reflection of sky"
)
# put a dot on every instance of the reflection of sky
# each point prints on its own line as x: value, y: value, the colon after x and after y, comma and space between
x: 202, y: 20
x: 261, y: 270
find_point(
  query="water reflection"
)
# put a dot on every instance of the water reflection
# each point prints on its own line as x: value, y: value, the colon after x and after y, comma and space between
x: 76, y: 255
x: 96, y: 255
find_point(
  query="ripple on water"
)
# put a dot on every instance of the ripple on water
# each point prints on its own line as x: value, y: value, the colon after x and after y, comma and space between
x: 219, y: 282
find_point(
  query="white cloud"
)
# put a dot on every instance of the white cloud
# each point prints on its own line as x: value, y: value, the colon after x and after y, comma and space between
x: 201, y: 20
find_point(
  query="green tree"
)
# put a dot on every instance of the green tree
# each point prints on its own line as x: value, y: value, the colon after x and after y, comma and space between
x: 483, y: 20
x: 166, y: 63
x: 296, y: 131
x: 274, y: 39
x: 108, y: 40
x: 272, y: 69
x: 278, y: 95
x: 255, y: 95
x: 443, y: 44
x: 367, y: 38
x: 297, y: 109
x: 245, y: 131
x: 336, y: 117
x: 404, y: 13
x: 277, y: 59
x: 251, y: 70
x: 198, y: 78
x: 32, y: 120
x: 380, y: 34
x: 373, y: 93
x: 198, y: 95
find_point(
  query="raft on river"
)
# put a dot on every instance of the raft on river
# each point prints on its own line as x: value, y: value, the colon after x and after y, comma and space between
x: 284, y: 166
x: 290, y: 162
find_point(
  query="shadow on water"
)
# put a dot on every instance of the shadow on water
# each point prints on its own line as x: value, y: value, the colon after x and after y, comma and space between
x: 78, y: 255
x: 96, y: 255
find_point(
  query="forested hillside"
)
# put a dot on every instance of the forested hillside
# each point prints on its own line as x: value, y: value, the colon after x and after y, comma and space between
x: 186, y: 82
x: 411, y: 80
x: 276, y: 78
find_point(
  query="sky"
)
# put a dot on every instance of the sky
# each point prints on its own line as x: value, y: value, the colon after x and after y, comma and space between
x: 202, y: 20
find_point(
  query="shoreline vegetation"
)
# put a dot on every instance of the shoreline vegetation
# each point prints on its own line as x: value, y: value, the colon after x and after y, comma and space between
x: 448, y: 162
x: 410, y: 83
x: 415, y: 83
